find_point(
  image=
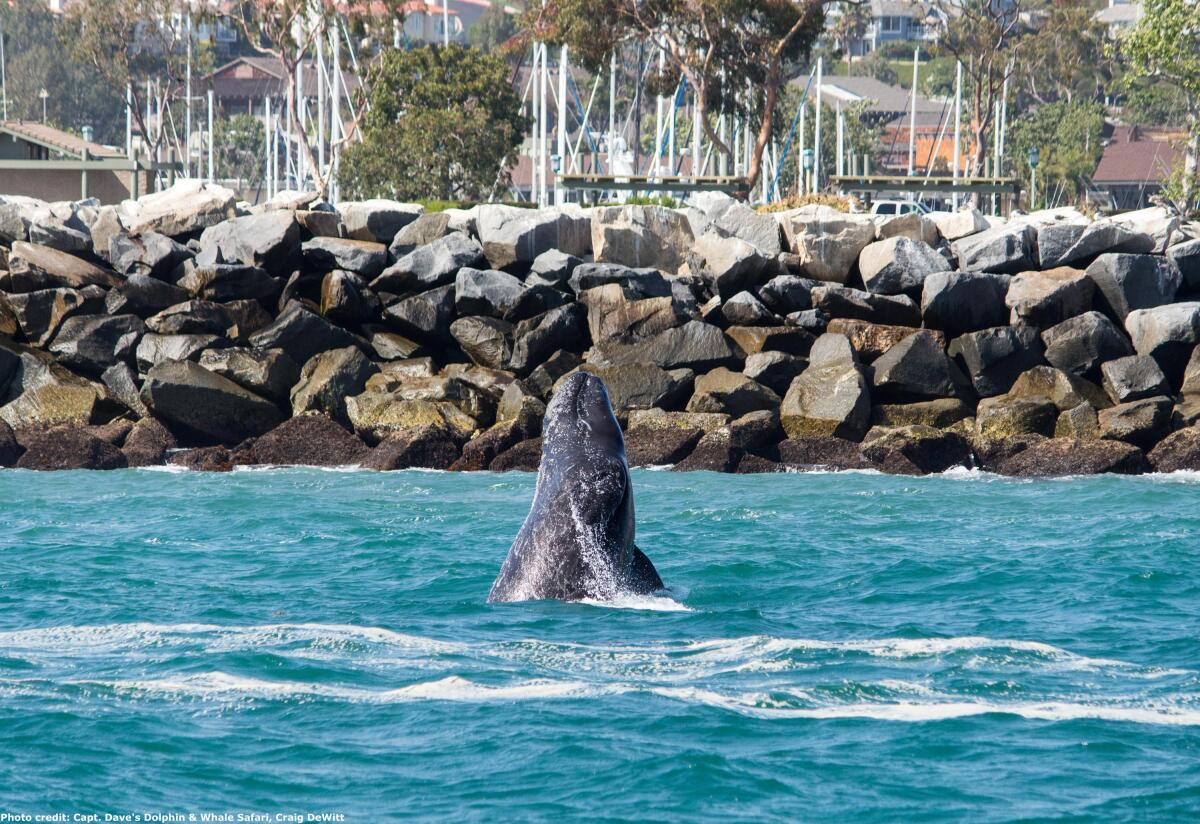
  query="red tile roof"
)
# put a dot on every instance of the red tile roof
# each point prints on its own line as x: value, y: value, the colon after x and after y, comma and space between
x: 56, y: 139
x: 1139, y: 155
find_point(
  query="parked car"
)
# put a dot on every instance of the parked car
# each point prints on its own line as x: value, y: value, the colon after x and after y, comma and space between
x: 898, y: 207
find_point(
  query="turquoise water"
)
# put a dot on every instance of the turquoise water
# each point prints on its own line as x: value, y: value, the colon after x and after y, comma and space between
x: 835, y: 647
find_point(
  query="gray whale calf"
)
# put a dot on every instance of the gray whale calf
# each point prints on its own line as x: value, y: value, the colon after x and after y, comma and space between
x: 577, y: 541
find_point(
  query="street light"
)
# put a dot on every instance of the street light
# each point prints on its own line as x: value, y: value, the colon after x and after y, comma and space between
x: 806, y: 158
x: 43, y: 94
x: 1034, y: 156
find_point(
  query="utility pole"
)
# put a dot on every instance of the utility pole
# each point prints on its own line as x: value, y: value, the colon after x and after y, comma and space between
x: 561, y: 127
x: 957, y: 124
x: 816, y: 172
x: 187, y: 124
x: 912, y: 117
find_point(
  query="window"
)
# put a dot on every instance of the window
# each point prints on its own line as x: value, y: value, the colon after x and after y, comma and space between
x: 891, y: 24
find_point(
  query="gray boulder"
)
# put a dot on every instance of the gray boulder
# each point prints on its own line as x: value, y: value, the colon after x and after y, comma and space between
x: 328, y: 378
x: 1081, y: 344
x: 614, y: 312
x: 898, y: 265
x: 193, y: 317
x: 122, y: 385
x: 184, y: 208
x: 729, y: 263
x: 830, y: 398
x: 154, y: 348
x: 827, y: 243
x: 1125, y: 282
x: 512, y: 235
x: 537, y: 339
x: 636, y: 283
x: 960, y: 302
x: 694, y: 345
x: 774, y: 370
x: 1133, y: 379
x: 1005, y: 249
x: 552, y: 268
x: 644, y: 385
x: 270, y: 240
x: 143, y: 296
x: 267, y: 372
x: 39, y: 314
x: 1186, y: 257
x: 347, y: 300
x: 488, y: 292
x: 994, y: 358
x: 743, y: 309
x: 377, y: 220
x: 1046, y: 298
x: 425, y: 317
x: 430, y: 266
x: 744, y: 223
x: 1060, y: 244
x: 230, y: 281
x: 206, y: 406
x: 1166, y: 333
x: 636, y: 236
x: 301, y: 333
x: 844, y: 302
x: 785, y: 294
x: 324, y: 254
x: 487, y: 341
x: 92, y: 343
x: 915, y: 369
x: 1142, y: 423
x: 32, y: 267
x: 151, y: 254
x: 425, y: 229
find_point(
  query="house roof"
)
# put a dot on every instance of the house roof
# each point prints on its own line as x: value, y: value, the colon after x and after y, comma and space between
x: 266, y: 77
x: 56, y: 139
x: 1138, y: 155
x: 898, y: 8
x: 885, y: 98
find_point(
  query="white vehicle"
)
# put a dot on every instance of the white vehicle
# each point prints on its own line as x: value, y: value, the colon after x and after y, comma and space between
x: 898, y: 207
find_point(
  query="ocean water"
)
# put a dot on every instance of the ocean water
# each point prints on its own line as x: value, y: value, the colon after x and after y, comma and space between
x: 834, y: 647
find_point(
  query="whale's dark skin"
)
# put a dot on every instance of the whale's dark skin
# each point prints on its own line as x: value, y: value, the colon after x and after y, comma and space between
x: 578, y: 539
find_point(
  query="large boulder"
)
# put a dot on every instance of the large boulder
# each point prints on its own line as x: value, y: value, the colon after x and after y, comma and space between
x: 147, y: 443
x: 1079, y: 345
x: 365, y: 257
x: 730, y: 264
x: 1068, y: 456
x: 69, y: 448
x: 821, y: 454
x: 1064, y: 390
x: 744, y: 309
x: 537, y: 339
x: 614, y: 312
x: 785, y: 294
x: 643, y: 385
x: 479, y: 452
x: 186, y: 207
x: 376, y: 415
x: 38, y: 315
x: 552, y: 268
x: 1166, y: 333
x: 917, y: 450
x: 870, y: 340
x: 149, y: 254
x: 994, y: 358
x: 1005, y: 249
x: 143, y: 296
x: 694, y: 345
x: 954, y: 225
x: 1046, y: 298
x: 270, y: 240
x: 515, y: 236
x: 960, y: 302
x: 424, y: 447
x: 193, y: 317
x: 1177, y: 452
x: 828, y: 244
x: 301, y: 333
x: 1142, y: 423
x: 898, y: 265
x: 1060, y: 244
x: 1005, y: 416
x: 913, y: 225
x: 328, y: 378
x: 430, y: 266
x: 32, y: 267
x: 92, y: 343
x: 636, y: 236
x: 205, y: 405
x: 305, y: 440
x: 500, y: 295
x: 1186, y: 257
x: 1125, y: 282
x: 426, y: 316
x: 266, y: 372
x: 636, y: 283
x: 844, y: 302
x: 347, y: 300
x: 1155, y: 222
x: 831, y: 397
x: 486, y: 341
x: 230, y: 281
x: 425, y: 229
x: 153, y: 348
x: 377, y: 220
x: 1133, y: 378
x: 915, y: 369
x: 745, y: 223
x: 790, y: 339
x: 730, y: 393
x: 940, y: 414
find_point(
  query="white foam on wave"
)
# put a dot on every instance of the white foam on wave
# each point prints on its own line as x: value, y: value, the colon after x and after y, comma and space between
x: 650, y: 603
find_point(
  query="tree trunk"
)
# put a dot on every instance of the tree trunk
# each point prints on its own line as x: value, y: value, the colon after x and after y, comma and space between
x: 1191, y: 171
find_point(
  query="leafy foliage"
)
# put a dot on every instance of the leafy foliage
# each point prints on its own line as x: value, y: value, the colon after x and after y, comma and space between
x: 239, y: 147
x: 1068, y: 138
x: 492, y: 29
x: 443, y: 123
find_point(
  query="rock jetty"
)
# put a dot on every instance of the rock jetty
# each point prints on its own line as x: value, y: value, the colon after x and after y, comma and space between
x: 191, y: 329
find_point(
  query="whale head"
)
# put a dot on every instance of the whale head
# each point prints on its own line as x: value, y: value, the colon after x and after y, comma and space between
x: 580, y: 422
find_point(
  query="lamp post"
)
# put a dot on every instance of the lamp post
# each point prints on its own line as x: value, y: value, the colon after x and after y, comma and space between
x: 1034, y: 157
x: 806, y: 158
x: 43, y: 94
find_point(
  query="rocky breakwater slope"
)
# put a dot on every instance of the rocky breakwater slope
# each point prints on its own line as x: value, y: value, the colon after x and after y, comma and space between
x: 187, y: 328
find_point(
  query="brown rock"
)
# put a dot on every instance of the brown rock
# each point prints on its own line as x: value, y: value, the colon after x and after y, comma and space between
x: 648, y: 446
x: 204, y: 459
x: 306, y: 440
x: 821, y: 453
x: 870, y: 340
x: 1061, y: 456
x: 524, y: 457
x: 1178, y: 451
x: 917, y: 450
x: 427, y: 447
x: 69, y: 449
x: 479, y: 452
x: 147, y: 443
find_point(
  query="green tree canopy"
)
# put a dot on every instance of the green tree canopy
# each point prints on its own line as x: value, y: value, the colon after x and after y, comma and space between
x: 1067, y: 137
x: 239, y: 145
x: 443, y: 122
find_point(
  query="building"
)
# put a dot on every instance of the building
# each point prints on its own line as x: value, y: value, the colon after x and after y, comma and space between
x: 893, y: 21
x: 1137, y: 161
x: 40, y: 161
x: 1119, y: 15
x: 243, y: 85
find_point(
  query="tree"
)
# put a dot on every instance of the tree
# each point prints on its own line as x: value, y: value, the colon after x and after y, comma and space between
x: 877, y: 66
x: 850, y: 24
x: 736, y: 54
x: 985, y: 36
x: 495, y: 27
x: 36, y: 59
x: 1064, y: 58
x: 441, y: 122
x: 238, y: 145
x: 288, y: 30
x: 132, y: 41
x: 1164, y: 47
x: 1068, y: 138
